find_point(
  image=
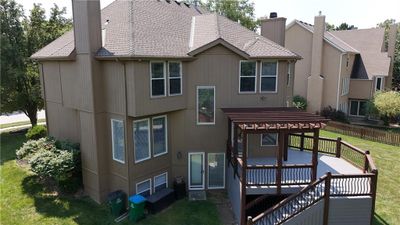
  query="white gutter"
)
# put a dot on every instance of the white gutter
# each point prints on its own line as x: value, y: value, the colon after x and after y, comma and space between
x: 339, y: 77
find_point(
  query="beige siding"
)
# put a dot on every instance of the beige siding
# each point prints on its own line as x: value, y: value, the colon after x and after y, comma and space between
x: 330, y: 71
x: 256, y: 150
x: 360, y: 89
x: 51, y: 74
x: 114, y: 87
x: 299, y: 41
x: 63, y: 123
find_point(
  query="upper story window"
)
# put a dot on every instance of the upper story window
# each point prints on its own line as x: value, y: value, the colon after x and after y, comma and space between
x: 159, y: 127
x: 379, y: 84
x: 269, y: 139
x: 247, y: 77
x: 158, y: 83
x: 118, y: 140
x: 205, y: 105
x: 269, y: 74
x: 141, y: 136
x: 345, y: 86
x: 175, y: 78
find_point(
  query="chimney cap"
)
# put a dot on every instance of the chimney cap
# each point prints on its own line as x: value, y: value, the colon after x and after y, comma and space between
x: 273, y: 15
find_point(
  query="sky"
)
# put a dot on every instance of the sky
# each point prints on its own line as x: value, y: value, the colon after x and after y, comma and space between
x: 360, y: 13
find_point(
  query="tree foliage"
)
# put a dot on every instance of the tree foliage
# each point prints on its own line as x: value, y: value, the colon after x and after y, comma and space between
x: 20, y: 38
x: 241, y: 11
x: 342, y: 26
x: 386, y: 104
x: 396, y: 64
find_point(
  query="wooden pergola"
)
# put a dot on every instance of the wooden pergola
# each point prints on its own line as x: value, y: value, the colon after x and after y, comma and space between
x: 271, y: 120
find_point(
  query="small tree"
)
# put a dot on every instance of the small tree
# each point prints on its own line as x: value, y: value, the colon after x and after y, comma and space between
x: 387, y: 105
x: 300, y: 102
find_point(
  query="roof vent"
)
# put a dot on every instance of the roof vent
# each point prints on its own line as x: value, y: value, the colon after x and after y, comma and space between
x: 273, y: 15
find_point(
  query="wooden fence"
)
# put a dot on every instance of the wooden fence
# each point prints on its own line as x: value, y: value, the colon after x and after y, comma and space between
x: 367, y: 133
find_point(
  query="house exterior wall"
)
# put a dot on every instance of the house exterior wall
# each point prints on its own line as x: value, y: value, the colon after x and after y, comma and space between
x: 361, y: 89
x: 330, y: 70
x: 121, y: 90
x: 256, y: 150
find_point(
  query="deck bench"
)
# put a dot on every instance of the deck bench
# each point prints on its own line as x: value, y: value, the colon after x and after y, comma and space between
x: 160, y: 200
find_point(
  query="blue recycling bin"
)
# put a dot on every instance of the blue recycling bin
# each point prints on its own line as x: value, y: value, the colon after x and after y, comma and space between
x: 136, y: 207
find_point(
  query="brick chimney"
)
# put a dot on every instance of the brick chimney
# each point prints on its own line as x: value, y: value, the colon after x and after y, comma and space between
x: 316, y: 80
x: 274, y: 28
x: 391, y: 51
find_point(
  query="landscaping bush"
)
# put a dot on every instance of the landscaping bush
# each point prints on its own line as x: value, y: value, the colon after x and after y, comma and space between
x: 54, y: 160
x: 36, y: 132
x: 335, y: 115
x: 32, y: 146
x: 300, y: 102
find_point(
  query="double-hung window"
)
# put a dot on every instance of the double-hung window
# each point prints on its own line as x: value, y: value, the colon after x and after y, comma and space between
x: 206, y: 105
x: 118, y: 140
x: 157, y: 79
x: 216, y: 170
x: 159, y: 135
x: 269, y: 74
x: 269, y: 139
x: 358, y: 108
x: 144, y: 188
x: 247, y: 77
x: 160, y: 182
x: 378, y: 83
x: 175, y: 78
x: 141, y: 139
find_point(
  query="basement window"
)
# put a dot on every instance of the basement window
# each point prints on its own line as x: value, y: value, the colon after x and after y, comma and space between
x: 157, y: 79
x: 160, y: 182
x: 247, y: 77
x: 144, y: 188
x: 358, y: 108
x: 269, y: 74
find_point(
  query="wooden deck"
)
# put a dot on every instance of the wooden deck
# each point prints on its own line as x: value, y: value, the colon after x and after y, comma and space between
x: 326, y: 163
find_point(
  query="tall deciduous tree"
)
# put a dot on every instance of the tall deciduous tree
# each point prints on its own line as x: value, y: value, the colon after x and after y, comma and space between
x: 396, y: 64
x: 241, y: 11
x: 20, y: 38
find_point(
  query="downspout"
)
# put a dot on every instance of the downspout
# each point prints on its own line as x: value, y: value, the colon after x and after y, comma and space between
x: 339, y: 77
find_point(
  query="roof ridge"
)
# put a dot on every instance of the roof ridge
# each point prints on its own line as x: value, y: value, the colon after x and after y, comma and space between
x: 218, y: 27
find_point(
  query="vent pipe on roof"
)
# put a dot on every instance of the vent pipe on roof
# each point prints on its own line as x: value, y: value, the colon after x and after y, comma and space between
x: 274, y: 28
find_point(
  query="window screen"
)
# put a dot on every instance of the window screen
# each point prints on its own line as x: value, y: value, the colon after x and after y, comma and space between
x: 157, y: 79
x: 247, y: 76
x: 175, y: 78
x: 160, y: 182
x: 141, y: 140
x: 118, y: 140
x: 159, y: 135
x: 205, y: 105
x: 269, y: 76
x: 216, y: 172
x: 144, y: 188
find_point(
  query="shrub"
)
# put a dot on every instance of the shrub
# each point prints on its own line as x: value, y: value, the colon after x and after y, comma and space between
x: 300, y: 102
x: 387, y: 105
x: 36, y: 132
x: 32, y: 146
x: 333, y: 114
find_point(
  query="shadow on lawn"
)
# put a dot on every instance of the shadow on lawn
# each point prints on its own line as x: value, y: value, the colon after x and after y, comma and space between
x: 83, y: 210
x: 378, y: 220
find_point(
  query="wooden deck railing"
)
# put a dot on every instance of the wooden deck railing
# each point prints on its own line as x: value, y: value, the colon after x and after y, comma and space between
x: 327, y: 186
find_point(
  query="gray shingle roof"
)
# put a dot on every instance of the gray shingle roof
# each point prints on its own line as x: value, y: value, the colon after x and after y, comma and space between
x: 158, y: 28
x: 369, y: 42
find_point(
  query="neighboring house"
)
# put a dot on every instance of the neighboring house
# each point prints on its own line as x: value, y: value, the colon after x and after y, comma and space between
x: 153, y: 90
x: 341, y: 69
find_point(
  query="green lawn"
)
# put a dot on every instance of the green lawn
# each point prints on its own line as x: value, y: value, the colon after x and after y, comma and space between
x: 387, y: 159
x: 24, y: 201
x: 7, y: 125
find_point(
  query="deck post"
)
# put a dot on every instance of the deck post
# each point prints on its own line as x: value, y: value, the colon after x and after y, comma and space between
x: 327, y: 197
x: 374, y: 186
x: 301, y: 141
x: 249, y: 220
x: 279, y: 161
x: 235, y: 149
x: 244, y: 180
x: 338, y: 147
x: 366, y: 164
x: 286, y: 146
x: 315, y: 155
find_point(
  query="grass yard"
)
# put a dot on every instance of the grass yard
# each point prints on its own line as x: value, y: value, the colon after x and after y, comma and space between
x: 24, y: 201
x: 7, y: 125
x: 387, y: 160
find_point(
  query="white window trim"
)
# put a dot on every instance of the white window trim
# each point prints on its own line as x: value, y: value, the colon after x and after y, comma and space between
x: 274, y: 76
x: 112, y: 140
x: 137, y: 184
x: 203, y: 173
x: 358, y: 108
x: 289, y: 77
x: 276, y: 142
x: 208, y: 177
x: 154, y: 182
x: 163, y: 78
x: 148, y: 133
x: 240, y: 76
x: 197, y: 105
x: 175, y: 78
x: 166, y: 135
x: 382, y: 83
